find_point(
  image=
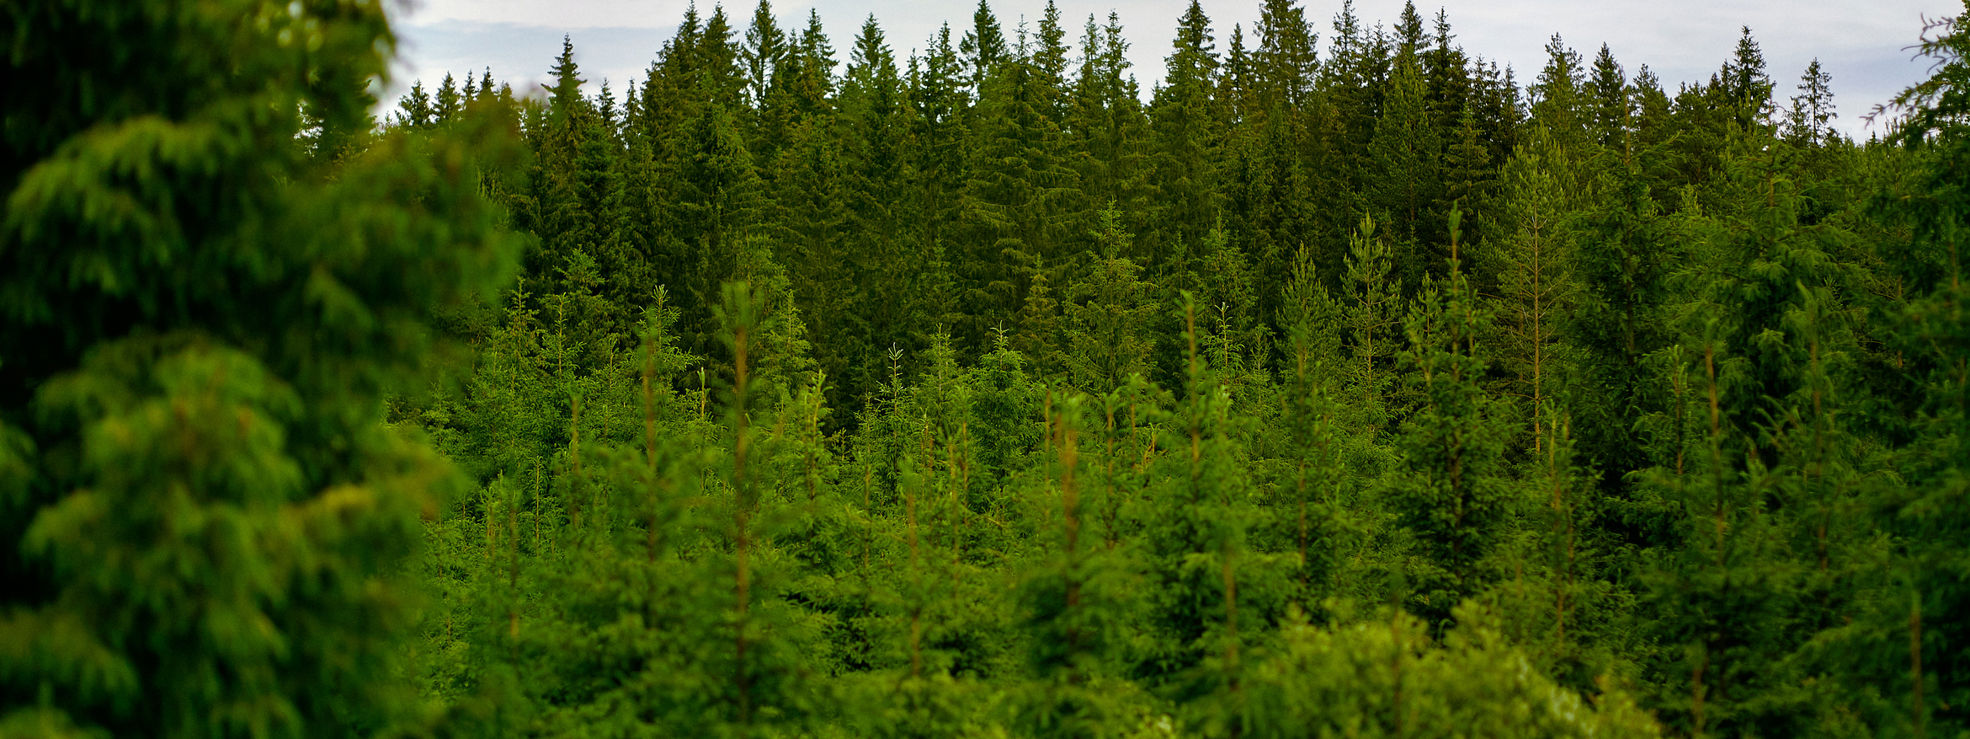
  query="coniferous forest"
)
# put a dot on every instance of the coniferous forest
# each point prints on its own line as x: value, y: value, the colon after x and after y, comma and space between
x: 1342, y: 383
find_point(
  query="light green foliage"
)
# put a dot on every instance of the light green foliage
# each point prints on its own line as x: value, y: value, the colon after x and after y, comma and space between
x: 1371, y: 310
x: 1534, y: 264
x: 1387, y: 677
x: 1451, y: 496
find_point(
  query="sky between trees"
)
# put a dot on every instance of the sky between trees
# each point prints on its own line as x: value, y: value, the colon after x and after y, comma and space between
x: 1860, y: 43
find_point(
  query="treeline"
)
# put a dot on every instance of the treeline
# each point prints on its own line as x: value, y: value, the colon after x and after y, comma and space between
x: 1342, y: 389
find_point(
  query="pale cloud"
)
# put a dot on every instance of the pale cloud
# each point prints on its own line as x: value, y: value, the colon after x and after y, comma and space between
x: 1862, y: 44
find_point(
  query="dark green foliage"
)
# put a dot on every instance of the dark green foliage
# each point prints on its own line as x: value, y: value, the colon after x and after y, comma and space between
x: 1451, y: 498
x: 1107, y: 314
x: 207, y: 519
x: 1357, y: 393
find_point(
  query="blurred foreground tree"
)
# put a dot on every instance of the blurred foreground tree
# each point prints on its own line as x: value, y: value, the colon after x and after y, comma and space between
x: 209, y: 278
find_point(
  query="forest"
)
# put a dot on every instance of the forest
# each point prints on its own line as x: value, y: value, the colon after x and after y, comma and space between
x: 1339, y: 383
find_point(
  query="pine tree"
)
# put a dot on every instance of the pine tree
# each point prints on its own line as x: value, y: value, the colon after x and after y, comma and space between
x: 1534, y: 263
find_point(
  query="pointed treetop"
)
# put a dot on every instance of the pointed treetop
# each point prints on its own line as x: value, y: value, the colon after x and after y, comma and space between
x: 566, y: 91
x: 871, y: 48
x: 1051, y: 54
x: 1556, y: 93
x: 1443, y: 35
x: 1409, y: 29
x: 1744, y: 80
x: 764, y: 53
x: 814, y: 42
x: 1195, y: 54
x: 1285, y: 59
x: 1347, y: 27
x: 1608, y: 85
x: 1814, y: 103
x: 984, y: 46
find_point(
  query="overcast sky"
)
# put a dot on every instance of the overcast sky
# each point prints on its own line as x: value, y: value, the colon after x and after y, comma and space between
x: 1861, y: 43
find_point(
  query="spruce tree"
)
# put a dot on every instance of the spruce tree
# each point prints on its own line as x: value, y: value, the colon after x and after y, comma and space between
x: 1107, y: 129
x: 1611, y: 109
x: 1186, y: 130
x: 1371, y: 301
x: 1934, y: 339
x: 1106, y: 315
x: 1285, y: 60
x: 207, y: 522
x: 983, y: 48
x: 447, y: 103
x: 1812, y: 109
x: 414, y: 110
x: 938, y: 127
x: 874, y: 118
x: 1405, y: 171
x: 1559, y: 99
x: 1448, y: 70
x: 1451, y: 497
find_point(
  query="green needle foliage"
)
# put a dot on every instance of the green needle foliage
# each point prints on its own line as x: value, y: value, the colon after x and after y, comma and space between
x: 215, y: 273
x: 972, y: 385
